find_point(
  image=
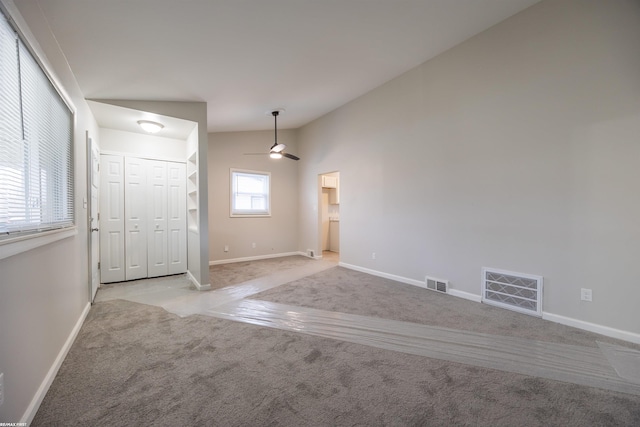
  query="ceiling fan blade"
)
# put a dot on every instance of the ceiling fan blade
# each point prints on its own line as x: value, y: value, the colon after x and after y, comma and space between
x: 290, y: 156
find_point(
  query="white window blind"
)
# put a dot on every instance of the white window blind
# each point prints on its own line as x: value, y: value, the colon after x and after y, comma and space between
x: 36, y: 157
x: 250, y: 193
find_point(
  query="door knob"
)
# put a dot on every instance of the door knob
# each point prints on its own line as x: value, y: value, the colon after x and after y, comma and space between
x: 94, y: 229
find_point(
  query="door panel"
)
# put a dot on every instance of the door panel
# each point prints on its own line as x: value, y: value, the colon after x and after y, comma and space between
x: 157, y: 201
x: 136, y: 218
x: 177, y: 217
x: 112, y: 219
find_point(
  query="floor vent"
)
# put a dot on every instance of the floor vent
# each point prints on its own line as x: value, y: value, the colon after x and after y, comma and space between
x: 514, y: 291
x: 436, y: 284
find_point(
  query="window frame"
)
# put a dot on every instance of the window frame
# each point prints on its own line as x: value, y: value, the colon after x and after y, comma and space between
x: 26, y: 240
x: 244, y: 213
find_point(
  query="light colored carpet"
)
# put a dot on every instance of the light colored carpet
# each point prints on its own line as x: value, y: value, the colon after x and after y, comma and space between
x: 134, y: 364
x: 237, y: 272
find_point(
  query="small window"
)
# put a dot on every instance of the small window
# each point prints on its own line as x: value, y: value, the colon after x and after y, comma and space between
x: 250, y: 193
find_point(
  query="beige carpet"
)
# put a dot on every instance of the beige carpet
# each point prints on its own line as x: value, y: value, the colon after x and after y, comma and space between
x: 237, y: 272
x: 134, y: 364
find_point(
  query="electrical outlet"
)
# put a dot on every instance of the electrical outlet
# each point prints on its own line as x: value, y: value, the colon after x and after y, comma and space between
x: 1, y: 389
x: 586, y: 294
x: 226, y: 248
x: 373, y: 255
x: 253, y: 245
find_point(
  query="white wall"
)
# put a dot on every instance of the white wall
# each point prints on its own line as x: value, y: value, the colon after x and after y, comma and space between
x: 148, y: 146
x: 44, y: 292
x: 272, y: 235
x: 517, y: 149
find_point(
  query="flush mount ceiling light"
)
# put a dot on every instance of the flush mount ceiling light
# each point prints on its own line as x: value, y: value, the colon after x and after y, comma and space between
x: 149, y: 126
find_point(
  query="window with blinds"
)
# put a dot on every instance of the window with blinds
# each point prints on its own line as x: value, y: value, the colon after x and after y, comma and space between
x: 36, y: 151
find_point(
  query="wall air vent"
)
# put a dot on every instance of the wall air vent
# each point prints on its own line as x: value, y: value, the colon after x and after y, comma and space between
x: 436, y: 284
x: 514, y: 291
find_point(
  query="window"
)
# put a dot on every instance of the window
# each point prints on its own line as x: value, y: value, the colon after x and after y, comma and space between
x: 36, y: 146
x: 250, y: 193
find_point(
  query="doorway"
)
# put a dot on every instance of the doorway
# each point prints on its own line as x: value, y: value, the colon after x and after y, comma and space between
x: 329, y: 215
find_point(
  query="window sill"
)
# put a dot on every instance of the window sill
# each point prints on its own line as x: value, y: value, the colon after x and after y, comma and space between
x: 14, y: 246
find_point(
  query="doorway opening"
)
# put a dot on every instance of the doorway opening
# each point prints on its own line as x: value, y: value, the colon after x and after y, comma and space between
x: 329, y: 215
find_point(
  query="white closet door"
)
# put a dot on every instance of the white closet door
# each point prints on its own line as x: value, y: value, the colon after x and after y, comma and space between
x: 157, y: 210
x: 136, y: 218
x: 177, y: 217
x: 112, y: 237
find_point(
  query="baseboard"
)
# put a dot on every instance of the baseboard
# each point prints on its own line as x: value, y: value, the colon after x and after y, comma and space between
x: 382, y: 274
x: 32, y: 409
x: 196, y: 283
x: 464, y: 295
x: 254, y: 258
x: 414, y: 282
x: 592, y: 327
x: 307, y: 255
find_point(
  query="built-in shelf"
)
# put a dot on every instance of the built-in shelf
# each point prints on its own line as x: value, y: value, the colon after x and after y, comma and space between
x: 192, y: 192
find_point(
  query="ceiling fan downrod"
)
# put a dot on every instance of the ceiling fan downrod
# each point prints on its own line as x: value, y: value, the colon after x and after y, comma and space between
x: 276, y: 148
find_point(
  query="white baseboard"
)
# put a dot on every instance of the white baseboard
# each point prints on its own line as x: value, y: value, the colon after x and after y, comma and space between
x: 254, y: 258
x: 32, y: 409
x: 414, y: 282
x: 382, y: 274
x: 196, y: 283
x: 465, y: 295
x: 592, y: 327
x: 580, y: 324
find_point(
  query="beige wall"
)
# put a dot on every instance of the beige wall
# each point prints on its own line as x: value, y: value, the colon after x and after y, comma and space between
x: 273, y: 235
x: 517, y: 150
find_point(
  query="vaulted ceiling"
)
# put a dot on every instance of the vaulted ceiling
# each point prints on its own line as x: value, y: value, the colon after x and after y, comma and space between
x: 247, y: 57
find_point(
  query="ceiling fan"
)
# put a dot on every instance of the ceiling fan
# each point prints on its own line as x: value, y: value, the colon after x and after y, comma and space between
x: 277, y: 150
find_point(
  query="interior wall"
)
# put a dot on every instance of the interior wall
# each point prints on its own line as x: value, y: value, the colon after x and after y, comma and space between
x: 44, y: 292
x: 141, y: 145
x: 516, y: 150
x: 272, y: 235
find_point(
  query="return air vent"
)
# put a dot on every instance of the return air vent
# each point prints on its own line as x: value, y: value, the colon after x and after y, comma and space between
x: 436, y: 284
x: 514, y: 291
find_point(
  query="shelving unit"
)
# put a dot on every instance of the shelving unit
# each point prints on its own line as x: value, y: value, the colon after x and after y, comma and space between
x: 192, y: 192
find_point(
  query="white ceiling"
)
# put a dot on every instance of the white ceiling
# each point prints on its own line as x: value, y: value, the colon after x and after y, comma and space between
x: 247, y: 57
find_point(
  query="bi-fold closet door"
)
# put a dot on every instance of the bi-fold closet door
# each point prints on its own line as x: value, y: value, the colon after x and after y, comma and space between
x: 143, y: 205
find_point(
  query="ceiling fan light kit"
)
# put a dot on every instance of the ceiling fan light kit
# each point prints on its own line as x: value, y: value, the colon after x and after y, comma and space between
x: 277, y: 150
